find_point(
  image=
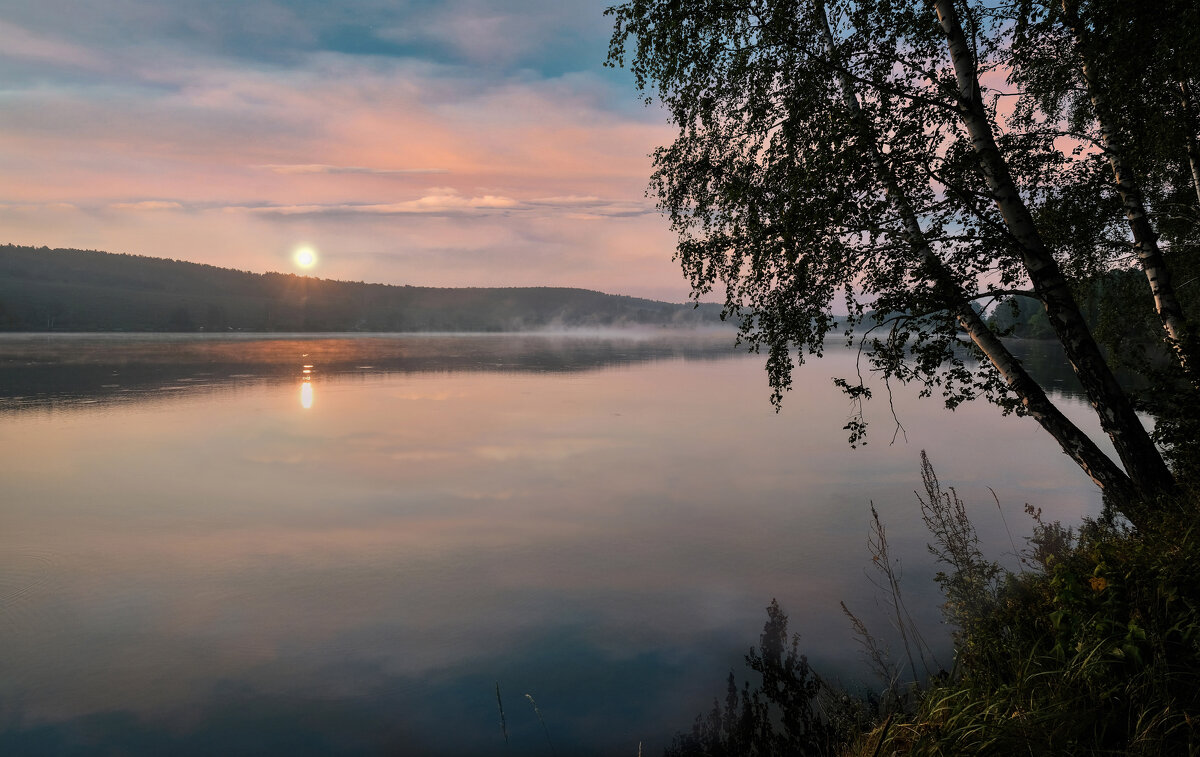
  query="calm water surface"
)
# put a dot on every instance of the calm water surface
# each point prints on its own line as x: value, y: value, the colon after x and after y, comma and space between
x: 341, y: 545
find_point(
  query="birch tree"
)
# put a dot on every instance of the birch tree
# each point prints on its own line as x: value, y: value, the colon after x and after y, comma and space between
x: 1121, y: 73
x: 858, y: 153
x: 1121, y: 78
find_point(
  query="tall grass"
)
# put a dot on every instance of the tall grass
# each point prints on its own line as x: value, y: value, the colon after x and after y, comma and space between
x: 1091, y: 648
x: 545, y: 730
x: 503, y: 723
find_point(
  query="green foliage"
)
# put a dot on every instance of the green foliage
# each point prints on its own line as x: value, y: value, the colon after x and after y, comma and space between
x: 869, y: 155
x: 771, y: 187
x: 1120, y: 310
x: 970, y: 581
x: 1139, y: 56
x: 1163, y: 390
x: 1021, y: 317
x: 1093, y: 650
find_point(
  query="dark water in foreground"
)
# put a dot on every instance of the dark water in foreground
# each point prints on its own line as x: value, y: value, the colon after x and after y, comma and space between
x: 341, y: 545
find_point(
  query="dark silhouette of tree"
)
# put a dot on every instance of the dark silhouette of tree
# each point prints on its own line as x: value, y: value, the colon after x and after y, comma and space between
x: 866, y: 153
x: 782, y: 715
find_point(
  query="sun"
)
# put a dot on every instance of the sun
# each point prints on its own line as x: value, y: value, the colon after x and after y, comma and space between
x: 305, y: 257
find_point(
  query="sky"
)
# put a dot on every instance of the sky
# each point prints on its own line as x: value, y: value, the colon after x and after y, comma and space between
x: 456, y: 143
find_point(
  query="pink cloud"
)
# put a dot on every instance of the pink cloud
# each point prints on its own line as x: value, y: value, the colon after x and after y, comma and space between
x: 147, y: 205
x: 320, y: 168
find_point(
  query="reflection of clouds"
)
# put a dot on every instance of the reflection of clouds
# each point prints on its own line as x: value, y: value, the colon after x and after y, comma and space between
x: 430, y: 396
x: 549, y: 450
x: 276, y: 458
x: 421, y: 456
x: 302, y: 613
x: 362, y: 706
x: 488, y: 496
x: 432, y: 539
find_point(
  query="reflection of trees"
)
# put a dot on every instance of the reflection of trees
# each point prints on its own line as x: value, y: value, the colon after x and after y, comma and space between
x: 1048, y: 363
x: 790, y: 710
x: 115, y: 368
x: 36, y: 371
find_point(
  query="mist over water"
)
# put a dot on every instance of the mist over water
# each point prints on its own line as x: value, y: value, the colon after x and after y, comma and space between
x: 340, y: 545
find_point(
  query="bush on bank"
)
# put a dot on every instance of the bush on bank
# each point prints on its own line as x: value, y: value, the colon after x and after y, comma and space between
x: 1091, y: 648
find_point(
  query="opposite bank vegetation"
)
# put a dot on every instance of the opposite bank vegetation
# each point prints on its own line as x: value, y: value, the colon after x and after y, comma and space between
x: 43, y: 289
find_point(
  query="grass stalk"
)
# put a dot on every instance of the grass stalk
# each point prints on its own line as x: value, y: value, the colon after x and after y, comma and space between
x: 503, y: 724
x: 545, y: 730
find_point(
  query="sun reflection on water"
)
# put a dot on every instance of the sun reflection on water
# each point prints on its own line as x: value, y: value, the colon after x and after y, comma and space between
x: 306, y: 388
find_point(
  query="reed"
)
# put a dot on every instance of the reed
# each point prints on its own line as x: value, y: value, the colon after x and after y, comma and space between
x: 545, y: 730
x: 503, y: 724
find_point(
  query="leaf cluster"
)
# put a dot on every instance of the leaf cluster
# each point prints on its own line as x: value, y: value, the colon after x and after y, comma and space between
x: 1094, y: 649
x: 774, y: 188
x: 770, y: 184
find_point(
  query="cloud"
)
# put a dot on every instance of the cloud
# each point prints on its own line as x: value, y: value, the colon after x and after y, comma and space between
x: 593, y: 208
x: 477, y: 37
x: 24, y: 44
x: 321, y: 168
x: 448, y: 201
x: 567, y: 200
x: 147, y: 205
x: 34, y: 206
x: 550, y: 37
x: 445, y: 200
x: 437, y: 201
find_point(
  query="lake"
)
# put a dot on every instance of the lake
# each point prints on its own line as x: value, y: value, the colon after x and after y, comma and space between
x: 343, y: 544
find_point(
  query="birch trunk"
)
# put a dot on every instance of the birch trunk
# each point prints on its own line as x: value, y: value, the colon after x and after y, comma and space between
x: 1166, y: 304
x: 1193, y: 150
x: 1141, y: 459
x: 1074, y: 442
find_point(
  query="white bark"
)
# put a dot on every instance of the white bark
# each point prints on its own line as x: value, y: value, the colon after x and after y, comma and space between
x: 1149, y: 256
x: 1140, y: 457
x: 1193, y: 150
x: 1074, y: 442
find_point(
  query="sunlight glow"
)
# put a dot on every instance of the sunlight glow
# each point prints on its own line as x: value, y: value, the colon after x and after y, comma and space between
x: 305, y: 257
x: 306, y: 387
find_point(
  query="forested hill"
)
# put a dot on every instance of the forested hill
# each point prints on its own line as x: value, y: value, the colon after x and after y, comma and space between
x: 44, y: 289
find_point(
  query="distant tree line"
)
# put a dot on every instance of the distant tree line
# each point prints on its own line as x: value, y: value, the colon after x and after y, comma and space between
x: 43, y: 289
x: 1108, y: 302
